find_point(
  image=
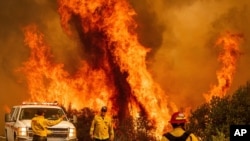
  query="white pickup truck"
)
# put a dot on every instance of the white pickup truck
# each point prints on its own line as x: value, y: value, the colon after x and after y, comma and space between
x: 18, y: 122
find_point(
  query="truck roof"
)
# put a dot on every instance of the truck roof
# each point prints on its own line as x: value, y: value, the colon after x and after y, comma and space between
x: 38, y: 104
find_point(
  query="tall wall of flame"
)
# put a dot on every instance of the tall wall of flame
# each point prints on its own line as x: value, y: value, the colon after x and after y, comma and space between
x: 181, y: 35
x: 114, y: 72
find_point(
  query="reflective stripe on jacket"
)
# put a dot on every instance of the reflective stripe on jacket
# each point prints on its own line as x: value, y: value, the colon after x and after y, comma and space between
x: 177, y: 132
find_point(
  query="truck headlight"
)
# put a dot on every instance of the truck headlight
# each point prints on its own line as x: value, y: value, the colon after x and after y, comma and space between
x: 22, y: 131
x: 72, y: 132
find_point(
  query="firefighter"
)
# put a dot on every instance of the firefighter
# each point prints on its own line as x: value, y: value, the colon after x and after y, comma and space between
x: 39, y: 125
x: 178, y: 122
x: 101, y: 128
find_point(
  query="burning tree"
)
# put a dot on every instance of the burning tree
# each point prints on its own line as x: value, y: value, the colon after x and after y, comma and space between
x: 113, y: 71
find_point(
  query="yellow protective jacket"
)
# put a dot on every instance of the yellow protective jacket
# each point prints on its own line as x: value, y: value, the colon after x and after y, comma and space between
x: 39, y: 125
x: 177, y: 132
x: 101, y: 128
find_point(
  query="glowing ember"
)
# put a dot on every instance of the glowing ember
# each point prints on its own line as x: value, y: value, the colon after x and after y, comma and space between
x: 228, y: 58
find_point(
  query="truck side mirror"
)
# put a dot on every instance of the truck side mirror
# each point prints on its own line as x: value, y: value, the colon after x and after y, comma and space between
x: 7, y: 118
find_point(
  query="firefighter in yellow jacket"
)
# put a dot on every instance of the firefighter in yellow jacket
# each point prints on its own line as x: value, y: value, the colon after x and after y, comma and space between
x: 178, y: 122
x: 39, y: 126
x: 101, y: 128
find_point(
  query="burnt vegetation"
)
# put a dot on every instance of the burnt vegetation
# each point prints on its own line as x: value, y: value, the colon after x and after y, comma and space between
x: 210, y: 121
x: 129, y: 129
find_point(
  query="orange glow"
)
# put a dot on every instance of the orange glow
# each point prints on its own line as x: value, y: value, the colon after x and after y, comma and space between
x: 228, y: 58
x: 7, y: 109
x: 114, y: 72
x: 49, y: 82
x: 118, y: 77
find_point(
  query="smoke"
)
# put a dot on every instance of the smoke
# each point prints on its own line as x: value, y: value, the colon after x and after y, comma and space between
x: 183, y: 59
x: 14, y: 16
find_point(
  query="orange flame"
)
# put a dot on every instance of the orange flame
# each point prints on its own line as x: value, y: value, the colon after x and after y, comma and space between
x: 228, y: 58
x: 48, y: 81
x: 115, y: 74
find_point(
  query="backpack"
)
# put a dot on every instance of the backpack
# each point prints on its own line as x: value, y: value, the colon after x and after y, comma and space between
x: 183, y: 137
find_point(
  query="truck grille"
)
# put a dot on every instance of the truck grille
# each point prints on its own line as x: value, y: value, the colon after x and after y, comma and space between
x: 56, y: 133
x: 61, y: 132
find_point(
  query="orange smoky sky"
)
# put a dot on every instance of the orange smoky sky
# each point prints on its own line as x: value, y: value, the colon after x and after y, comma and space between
x: 181, y: 35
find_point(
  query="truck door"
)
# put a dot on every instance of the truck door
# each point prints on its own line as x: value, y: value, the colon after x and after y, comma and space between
x: 8, y: 124
x: 11, y: 124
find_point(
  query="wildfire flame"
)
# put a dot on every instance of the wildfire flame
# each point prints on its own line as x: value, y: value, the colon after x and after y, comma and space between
x: 115, y: 73
x: 228, y: 58
x: 48, y: 81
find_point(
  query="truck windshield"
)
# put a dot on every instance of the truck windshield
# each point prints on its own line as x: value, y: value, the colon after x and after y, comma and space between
x: 50, y: 113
